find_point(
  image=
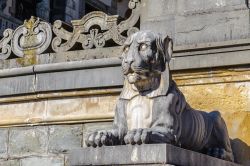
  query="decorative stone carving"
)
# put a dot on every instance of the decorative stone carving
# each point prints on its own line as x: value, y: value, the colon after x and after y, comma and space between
x: 151, y: 108
x: 5, y: 48
x: 95, y: 29
x: 33, y: 37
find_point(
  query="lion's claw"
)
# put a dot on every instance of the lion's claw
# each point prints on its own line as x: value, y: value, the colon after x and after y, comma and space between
x: 99, y: 138
x: 137, y: 136
x: 145, y: 136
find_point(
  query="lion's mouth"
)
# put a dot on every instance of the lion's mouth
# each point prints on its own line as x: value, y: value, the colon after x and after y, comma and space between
x: 133, y: 77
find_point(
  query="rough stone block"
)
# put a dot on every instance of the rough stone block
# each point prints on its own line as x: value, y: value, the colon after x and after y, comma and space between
x: 204, y: 20
x: 9, y: 163
x: 158, y: 154
x: 91, y: 127
x: 42, y: 161
x: 3, y: 143
x: 25, y: 141
x: 64, y: 138
x: 78, y: 79
x: 17, y: 85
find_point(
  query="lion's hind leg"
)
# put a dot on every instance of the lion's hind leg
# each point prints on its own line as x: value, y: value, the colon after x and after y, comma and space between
x: 220, y: 146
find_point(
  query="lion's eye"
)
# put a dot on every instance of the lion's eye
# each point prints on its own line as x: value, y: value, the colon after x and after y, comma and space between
x: 143, y: 47
x: 126, y: 48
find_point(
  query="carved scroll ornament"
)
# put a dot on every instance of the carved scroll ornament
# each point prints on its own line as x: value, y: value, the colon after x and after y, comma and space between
x: 95, y: 29
x: 34, y: 36
x: 5, y: 47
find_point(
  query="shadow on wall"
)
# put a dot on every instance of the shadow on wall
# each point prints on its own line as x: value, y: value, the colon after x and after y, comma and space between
x: 241, y: 152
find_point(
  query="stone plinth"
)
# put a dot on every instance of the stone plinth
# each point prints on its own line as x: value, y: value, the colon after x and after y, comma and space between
x: 153, y: 154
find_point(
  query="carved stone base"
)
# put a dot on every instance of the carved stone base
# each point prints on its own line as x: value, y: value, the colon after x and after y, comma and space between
x: 153, y: 154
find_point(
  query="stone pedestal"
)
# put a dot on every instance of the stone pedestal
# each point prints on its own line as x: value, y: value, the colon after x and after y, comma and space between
x: 153, y: 154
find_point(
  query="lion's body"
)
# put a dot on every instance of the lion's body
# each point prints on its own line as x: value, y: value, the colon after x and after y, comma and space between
x: 151, y: 108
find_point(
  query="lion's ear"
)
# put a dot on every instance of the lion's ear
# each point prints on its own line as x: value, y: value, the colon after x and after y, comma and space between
x: 168, y: 48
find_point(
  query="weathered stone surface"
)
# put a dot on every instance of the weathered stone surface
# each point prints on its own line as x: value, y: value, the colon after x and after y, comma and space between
x: 10, y: 162
x: 3, y: 143
x: 205, y: 21
x: 42, y: 161
x: 79, y: 55
x: 91, y: 127
x: 26, y: 141
x: 18, y: 85
x: 64, y: 137
x: 142, y: 154
x: 22, y: 112
x: 78, y: 79
x: 80, y: 108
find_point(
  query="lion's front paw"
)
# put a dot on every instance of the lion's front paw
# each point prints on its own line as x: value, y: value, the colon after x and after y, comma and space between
x: 146, y: 136
x: 138, y: 136
x: 100, y: 138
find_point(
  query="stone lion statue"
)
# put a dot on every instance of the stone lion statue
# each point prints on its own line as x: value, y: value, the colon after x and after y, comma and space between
x: 151, y: 109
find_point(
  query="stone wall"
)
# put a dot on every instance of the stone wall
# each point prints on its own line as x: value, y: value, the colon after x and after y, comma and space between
x: 43, y: 129
x: 197, y: 21
x: 42, y: 145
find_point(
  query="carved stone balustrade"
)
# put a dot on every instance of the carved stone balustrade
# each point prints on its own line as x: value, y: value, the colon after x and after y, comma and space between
x: 94, y: 30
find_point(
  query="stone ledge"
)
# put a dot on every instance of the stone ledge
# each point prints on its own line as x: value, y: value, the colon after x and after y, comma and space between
x: 153, y: 154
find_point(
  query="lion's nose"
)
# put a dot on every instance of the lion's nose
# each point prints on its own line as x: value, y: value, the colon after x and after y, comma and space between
x: 130, y: 59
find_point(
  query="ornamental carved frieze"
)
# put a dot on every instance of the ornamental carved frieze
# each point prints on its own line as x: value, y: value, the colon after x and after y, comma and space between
x: 5, y: 47
x: 95, y: 29
x: 33, y: 37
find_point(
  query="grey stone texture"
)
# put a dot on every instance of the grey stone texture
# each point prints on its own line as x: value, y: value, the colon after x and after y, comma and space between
x: 79, y: 79
x: 25, y: 141
x: 3, y: 143
x: 197, y: 21
x: 17, y: 85
x: 43, y: 145
x: 158, y: 154
x: 42, y: 161
x: 15, y: 162
x: 64, y: 137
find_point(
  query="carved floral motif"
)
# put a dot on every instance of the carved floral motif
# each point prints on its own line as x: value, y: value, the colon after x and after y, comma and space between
x: 95, y: 29
x: 5, y: 48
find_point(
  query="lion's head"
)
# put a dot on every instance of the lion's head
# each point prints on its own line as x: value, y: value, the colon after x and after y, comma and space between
x: 145, y: 61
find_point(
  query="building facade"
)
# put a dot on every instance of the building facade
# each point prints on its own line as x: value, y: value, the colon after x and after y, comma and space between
x: 55, y: 91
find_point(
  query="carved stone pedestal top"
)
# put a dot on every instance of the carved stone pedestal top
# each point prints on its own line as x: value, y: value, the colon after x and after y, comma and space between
x: 147, y: 154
